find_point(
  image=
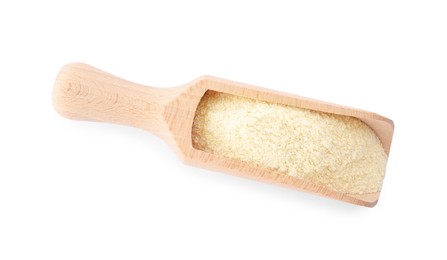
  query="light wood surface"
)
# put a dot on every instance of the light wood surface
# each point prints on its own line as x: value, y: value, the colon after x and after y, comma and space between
x: 85, y: 93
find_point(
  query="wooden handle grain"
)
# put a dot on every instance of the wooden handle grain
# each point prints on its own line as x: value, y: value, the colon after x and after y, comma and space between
x: 82, y: 92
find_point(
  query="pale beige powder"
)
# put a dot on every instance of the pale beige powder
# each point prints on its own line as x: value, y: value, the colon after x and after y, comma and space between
x: 339, y: 152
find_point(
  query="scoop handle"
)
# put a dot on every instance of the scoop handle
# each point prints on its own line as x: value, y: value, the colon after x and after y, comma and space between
x: 83, y: 92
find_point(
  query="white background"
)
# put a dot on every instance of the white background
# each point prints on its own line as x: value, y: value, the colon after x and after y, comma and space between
x: 82, y: 190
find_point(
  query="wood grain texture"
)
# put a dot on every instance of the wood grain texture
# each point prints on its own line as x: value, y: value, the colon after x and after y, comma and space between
x: 85, y: 93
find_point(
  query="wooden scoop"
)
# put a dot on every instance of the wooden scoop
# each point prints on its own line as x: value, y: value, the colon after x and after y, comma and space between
x: 86, y: 93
